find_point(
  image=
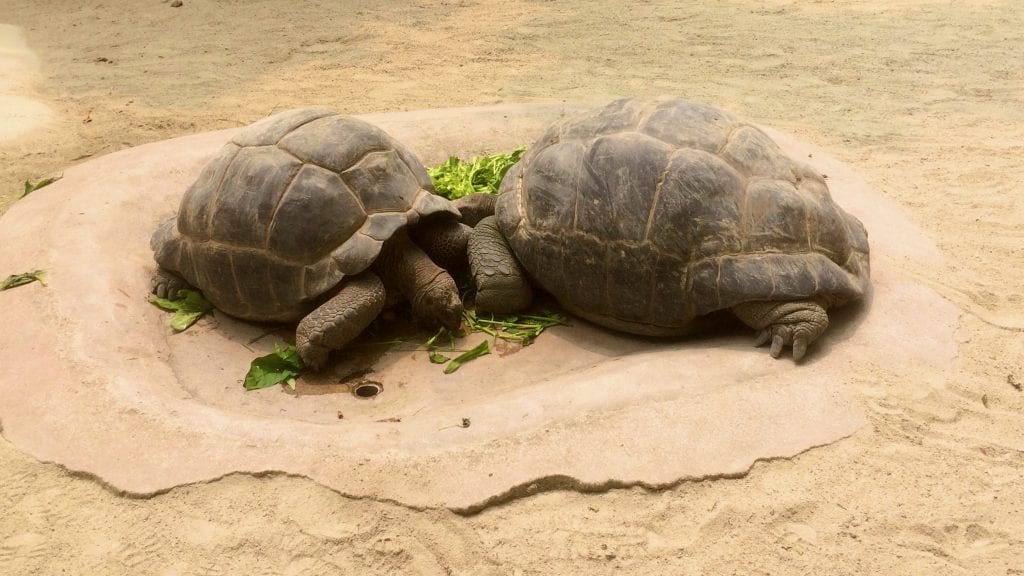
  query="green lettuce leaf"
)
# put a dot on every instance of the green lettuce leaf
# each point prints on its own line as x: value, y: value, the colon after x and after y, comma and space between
x: 477, y: 351
x: 283, y: 365
x: 188, y: 307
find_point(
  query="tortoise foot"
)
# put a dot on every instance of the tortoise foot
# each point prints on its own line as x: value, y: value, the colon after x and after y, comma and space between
x: 795, y: 324
x: 166, y: 284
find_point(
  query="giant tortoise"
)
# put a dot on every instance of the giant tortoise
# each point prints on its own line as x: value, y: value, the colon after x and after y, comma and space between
x: 303, y: 217
x: 645, y: 216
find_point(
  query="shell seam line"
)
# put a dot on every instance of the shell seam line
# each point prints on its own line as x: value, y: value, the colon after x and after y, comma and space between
x: 310, y: 121
x: 728, y: 137
x: 657, y: 196
x: 217, y: 190
x: 277, y: 206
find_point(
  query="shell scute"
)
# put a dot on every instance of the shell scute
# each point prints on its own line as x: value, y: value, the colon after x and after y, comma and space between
x: 550, y: 186
x: 316, y: 214
x: 198, y: 202
x: 270, y: 130
x: 383, y: 182
x: 623, y: 177
x: 777, y: 218
x: 249, y: 194
x: 698, y: 126
x: 698, y: 210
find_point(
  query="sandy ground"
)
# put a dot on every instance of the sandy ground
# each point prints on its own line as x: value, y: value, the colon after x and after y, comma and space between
x: 925, y: 99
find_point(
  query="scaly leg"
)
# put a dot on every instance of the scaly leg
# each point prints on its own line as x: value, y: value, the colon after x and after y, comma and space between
x: 501, y: 284
x: 796, y: 323
x: 337, y: 321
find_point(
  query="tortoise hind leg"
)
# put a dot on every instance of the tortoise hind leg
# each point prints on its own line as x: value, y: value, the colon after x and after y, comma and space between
x: 166, y: 245
x: 166, y: 284
x: 796, y: 323
x: 337, y: 321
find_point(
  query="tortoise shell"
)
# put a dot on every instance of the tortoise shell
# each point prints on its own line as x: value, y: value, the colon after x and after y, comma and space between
x: 289, y: 207
x: 644, y: 215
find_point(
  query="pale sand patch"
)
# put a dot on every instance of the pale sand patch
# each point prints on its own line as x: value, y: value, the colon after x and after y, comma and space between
x: 18, y: 67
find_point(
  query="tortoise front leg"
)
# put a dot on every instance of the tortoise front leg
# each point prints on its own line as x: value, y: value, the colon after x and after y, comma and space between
x: 795, y: 323
x: 337, y: 321
x: 501, y: 284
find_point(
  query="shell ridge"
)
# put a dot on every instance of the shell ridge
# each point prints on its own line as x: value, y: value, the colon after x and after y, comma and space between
x: 728, y: 138
x: 277, y: 206
x: 365, y: 154
x: 657, y: 195
x: 234, y: 278
x: 297, y: 126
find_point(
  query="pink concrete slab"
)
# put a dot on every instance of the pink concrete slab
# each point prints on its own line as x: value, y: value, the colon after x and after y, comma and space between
x: 95, y: 380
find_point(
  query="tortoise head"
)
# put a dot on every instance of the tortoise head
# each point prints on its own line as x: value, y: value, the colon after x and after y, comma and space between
x: 438, y: 303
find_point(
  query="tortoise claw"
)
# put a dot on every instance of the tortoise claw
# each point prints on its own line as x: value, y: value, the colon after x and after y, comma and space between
x: 785, y: 324
x: 799, y: 348
x: 167, y: 285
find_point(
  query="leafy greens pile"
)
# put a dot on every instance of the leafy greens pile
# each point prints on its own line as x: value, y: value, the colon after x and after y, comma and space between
x: 456, y: 178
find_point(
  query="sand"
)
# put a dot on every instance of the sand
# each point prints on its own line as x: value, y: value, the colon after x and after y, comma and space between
x: 923, y: 99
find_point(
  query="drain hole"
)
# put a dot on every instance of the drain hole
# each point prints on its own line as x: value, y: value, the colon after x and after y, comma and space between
x: 368, y: 389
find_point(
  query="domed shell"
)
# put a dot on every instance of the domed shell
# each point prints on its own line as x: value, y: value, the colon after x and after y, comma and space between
x: 644, y: 215
x: 290, y: 206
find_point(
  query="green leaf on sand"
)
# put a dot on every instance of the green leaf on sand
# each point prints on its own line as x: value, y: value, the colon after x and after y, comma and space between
x: 21, y: 279
x: 284, y: 365
x: 30, y: 187
x: 188, y: 307
x: 455, y: 178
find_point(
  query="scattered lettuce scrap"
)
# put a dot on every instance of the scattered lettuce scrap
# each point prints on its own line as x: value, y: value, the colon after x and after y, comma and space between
x: 15, y: 280
x: 481, y: 349
x: 30, y: 187
x: 455, y: 178
x: 432, y: 346
x: 283, y: 365
x: 188, y: 307
x: 521, y: 329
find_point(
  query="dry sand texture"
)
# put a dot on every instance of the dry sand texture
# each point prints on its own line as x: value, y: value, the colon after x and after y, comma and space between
x: 925, y: 99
